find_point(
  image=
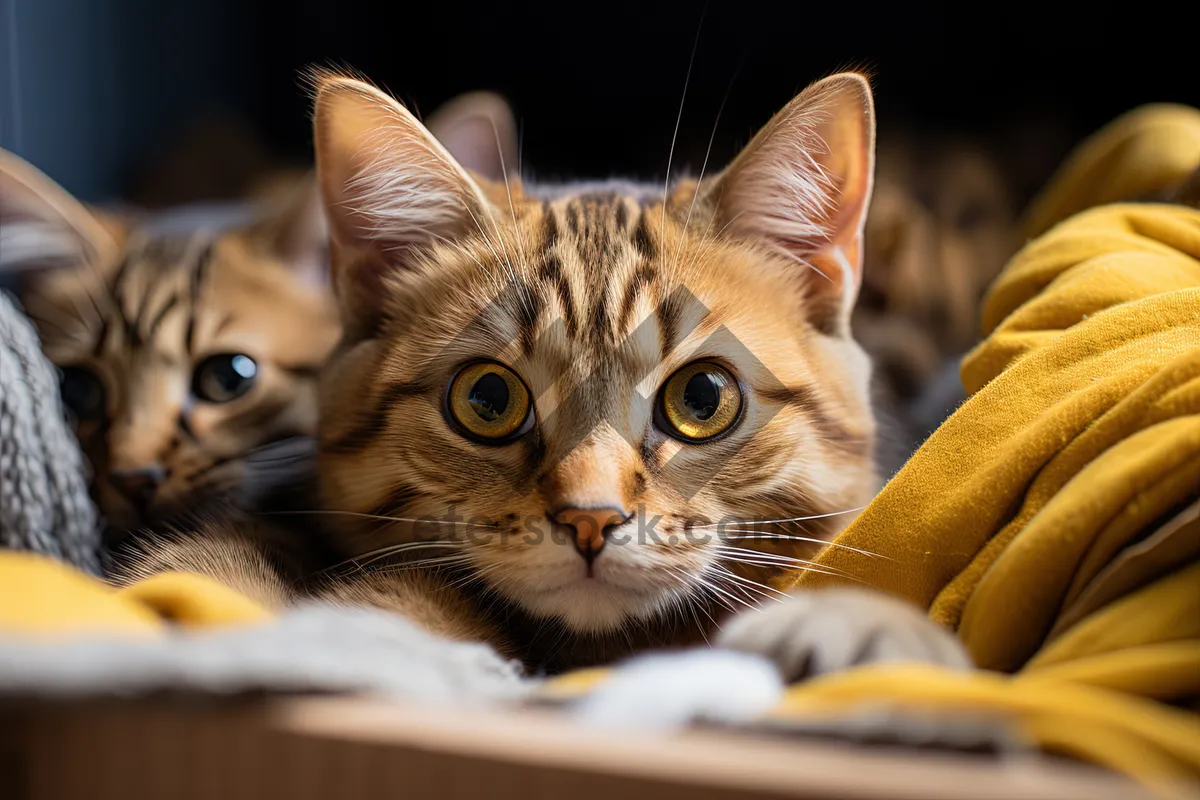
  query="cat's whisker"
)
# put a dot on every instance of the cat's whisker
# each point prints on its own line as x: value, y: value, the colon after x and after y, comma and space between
x: 760, y: 561
x: 700, y: 180
x: 383, y: 517
x: 777, y: 521
x: 477, y: 574
x: 696, y: 583
x: 819, y: 570
x: 425, y: 563
x: 758, y: 558
x: 504, y: 263
x: 479, y: 264
x: 512, y: 211
x: 757, y: 535
x: 503, y: 247
x: 361, y: 566
x: 752, y: 594
x: 693, y: 607
x: 727, y: 548
x: 715, y: 587
x: 707, y: 590
x: 383, y: 552
x: 723, y: 577
x: 679, y: 119
x: 761, y: 589
x: 689, y: 601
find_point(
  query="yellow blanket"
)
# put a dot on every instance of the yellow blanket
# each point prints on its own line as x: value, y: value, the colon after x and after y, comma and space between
x: 1053, y: 521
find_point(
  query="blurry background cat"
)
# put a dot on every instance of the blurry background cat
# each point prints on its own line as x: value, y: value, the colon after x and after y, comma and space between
x: 189, y: 339
x: 942, y: 224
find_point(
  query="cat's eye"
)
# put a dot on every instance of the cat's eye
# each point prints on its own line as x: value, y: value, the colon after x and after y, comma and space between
x: 487, y: 402
x: 82, y: 393
x: 225, y: 377
x: 699, y: 401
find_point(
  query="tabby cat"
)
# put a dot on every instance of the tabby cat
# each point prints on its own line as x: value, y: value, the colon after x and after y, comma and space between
x: 548, y: 403
x: 189, y: 342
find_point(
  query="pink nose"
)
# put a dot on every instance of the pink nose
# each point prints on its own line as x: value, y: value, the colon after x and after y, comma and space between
x: 592, y: 527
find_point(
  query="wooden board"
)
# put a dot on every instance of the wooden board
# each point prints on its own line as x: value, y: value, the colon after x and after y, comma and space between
x: 362, y: 747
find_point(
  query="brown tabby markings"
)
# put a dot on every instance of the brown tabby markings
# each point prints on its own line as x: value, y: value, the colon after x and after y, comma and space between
x: 383, y: 451
x: 154, y: 315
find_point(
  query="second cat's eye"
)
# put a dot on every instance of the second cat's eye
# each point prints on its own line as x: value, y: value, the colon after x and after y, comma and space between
x: 699, y: 401
x: 82, y: 393
x: 488, y: 403
x: 224, y: 377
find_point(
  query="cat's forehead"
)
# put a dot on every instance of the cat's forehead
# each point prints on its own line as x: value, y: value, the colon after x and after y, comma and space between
x: 602, y: 277
x: 162, y: 289
x: 640, y: 193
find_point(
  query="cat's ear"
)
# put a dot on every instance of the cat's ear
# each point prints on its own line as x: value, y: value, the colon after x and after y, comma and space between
x: 42, y: 226
x: 479, y: 130
x: 294, y: 231
x: 390, y: 190
x: 803, y: 185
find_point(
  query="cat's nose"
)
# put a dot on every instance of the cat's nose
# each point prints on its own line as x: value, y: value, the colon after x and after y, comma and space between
x: 592, y: 527
x: 138, y: 485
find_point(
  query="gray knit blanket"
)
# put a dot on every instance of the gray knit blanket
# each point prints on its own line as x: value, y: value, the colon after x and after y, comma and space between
x: 44, y: 503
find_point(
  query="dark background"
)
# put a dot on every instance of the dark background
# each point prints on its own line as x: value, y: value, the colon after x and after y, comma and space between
x: 92, y: 91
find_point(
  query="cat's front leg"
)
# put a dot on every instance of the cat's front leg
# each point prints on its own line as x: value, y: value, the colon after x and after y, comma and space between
x: 814, y: 633
x: 261, y: 561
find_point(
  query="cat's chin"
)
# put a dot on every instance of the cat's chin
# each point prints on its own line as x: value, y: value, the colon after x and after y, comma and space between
x: 590, y: 605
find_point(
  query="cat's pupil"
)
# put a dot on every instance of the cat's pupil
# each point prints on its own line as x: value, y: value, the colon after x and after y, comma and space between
x: 225, y: 377
x: 231, y: 374
x: 702, y: 395
x: 82, y: 392
x: 489, y: 397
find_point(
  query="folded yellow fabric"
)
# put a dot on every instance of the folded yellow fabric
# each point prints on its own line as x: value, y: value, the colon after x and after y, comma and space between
x: 40, y: 596
x: 1054, y: 519
x: 1140, y: 155
x: 1082, y: 430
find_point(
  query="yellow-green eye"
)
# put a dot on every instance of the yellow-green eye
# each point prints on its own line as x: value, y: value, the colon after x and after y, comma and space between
x: 489, y: 402
x: 700, y: 401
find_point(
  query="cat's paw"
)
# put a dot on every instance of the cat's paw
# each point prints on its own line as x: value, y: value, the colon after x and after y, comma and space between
x: 815, y: 633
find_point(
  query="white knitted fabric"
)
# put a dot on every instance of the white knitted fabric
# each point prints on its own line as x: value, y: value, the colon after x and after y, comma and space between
x: 44, y: 503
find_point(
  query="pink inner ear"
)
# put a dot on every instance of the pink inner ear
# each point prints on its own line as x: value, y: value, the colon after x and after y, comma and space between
x: 804, y: 183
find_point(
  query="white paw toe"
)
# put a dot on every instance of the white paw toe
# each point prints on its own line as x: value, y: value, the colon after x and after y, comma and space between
x: 672, y: 690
